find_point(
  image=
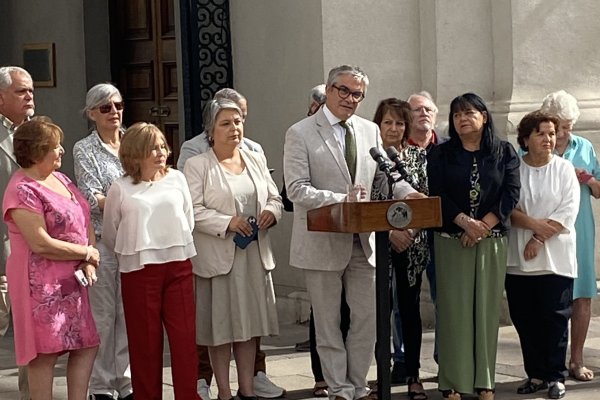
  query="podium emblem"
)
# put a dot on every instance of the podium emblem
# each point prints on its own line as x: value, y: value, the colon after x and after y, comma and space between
x: 399, y: 215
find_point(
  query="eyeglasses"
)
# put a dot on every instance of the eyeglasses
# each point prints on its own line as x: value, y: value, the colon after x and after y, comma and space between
x: 106, y: 108
x: 344, y: 92
x: 424, y: 109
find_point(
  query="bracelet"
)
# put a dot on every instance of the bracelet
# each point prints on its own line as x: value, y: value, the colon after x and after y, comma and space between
x: 538, y: 240
x: 88, y: 253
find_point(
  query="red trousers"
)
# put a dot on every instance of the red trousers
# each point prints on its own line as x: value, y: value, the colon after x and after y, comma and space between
x: 157, y: 295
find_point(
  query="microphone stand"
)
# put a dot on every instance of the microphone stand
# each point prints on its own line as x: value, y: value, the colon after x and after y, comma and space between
x: 383, y: 307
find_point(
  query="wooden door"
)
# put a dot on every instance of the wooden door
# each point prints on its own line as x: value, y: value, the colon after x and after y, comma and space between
x: 144, y: 64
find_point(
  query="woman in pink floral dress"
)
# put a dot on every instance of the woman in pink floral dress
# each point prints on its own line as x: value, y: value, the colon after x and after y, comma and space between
x: 51, y: 237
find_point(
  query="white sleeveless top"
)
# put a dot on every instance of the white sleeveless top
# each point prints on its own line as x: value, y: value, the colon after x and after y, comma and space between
x: 149, y: 222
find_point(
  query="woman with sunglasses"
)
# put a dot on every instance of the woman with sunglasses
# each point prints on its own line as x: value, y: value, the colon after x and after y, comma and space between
x: 97, y: 165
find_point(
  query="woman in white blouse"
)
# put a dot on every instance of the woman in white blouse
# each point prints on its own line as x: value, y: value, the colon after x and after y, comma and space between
x: 541, y: 259
x: 148, y: 221
x: 234, y: 291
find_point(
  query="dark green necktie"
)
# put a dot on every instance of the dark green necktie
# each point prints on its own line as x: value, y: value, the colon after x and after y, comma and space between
x: 350, y: 153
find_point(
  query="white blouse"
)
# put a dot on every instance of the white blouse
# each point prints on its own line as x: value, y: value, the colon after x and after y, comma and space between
x: 547, y: 192
x: 149, y: 222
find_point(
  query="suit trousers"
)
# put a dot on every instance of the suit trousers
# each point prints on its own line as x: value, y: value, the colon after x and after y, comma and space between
x: 470, y: 285
x: 4, y: 306
x: 315, y: 360
x: 345, y: 365
x: 540, y: 308
x: 110, y: 373
x: 157, y: 295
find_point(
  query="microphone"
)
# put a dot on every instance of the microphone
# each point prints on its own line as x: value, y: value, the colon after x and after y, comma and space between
x: 393, y: 154
x: 400, y: 165
x: 381, y: 162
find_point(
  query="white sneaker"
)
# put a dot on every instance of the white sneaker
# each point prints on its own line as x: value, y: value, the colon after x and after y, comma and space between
x: 263, y: 387
x: 203, y: 389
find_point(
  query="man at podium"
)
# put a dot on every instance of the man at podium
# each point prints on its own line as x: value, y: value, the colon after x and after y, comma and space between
x: 326, y: 160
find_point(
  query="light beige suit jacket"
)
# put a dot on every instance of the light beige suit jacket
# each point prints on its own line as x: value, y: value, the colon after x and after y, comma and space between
x: 8, y: 165
x: 316, y: 175
x: 214, y: 206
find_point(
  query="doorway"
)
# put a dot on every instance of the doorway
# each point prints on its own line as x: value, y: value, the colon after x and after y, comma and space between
x: 144, y: 64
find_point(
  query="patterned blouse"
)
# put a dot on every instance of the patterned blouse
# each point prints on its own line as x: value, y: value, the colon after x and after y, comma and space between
x: 416, y: 166
x: 95, y: 170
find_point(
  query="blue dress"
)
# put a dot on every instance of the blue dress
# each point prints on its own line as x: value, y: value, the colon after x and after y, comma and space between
x: 580, y: 152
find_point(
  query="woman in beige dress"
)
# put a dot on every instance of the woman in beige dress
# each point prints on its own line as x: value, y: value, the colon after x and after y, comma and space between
x: 235, y: 300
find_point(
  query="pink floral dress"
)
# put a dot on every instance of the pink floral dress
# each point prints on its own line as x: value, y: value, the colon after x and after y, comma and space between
x: 51, y: 311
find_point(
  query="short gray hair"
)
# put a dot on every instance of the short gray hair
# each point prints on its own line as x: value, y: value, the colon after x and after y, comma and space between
x: 6, y: 75
x: 353, y: 70
x: 317, y: 95
x: 229, y: 94
x: 562, y: 105
x: 212, y: 110
x: 98, y: 95
x: 427, y: 95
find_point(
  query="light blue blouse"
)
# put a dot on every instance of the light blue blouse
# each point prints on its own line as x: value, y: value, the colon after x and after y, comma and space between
x: 580, y: 152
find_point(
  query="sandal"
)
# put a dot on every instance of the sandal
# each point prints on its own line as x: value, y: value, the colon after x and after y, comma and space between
x: 486, y: 394
x: 451, y: 395
x: 320, y: 390
x: 580, y: 373
x: 532, y: 385
x: 418, y: 394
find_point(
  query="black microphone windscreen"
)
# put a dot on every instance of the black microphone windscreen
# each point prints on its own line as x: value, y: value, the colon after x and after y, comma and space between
x: 392, y: 153
x: 374, y: 152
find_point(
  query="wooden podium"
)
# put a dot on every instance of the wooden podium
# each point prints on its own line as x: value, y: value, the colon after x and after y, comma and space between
x: 375, y: 216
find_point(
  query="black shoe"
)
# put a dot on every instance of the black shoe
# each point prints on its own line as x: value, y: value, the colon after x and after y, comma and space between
x: 398, y: 375
x: 242, y: 397
x: 101, y: 397
x: 303, y: 346
x: 129, y: 397
x: 531, y: 387
x: 557, y: 390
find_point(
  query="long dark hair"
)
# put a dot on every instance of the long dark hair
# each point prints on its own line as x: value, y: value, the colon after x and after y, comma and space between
x: 490, y: 143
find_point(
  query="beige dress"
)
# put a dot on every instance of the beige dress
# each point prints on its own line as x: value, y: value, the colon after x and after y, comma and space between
x: 240, y: 305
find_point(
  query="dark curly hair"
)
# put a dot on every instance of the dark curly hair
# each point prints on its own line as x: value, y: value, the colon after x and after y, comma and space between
x: 531, y: 123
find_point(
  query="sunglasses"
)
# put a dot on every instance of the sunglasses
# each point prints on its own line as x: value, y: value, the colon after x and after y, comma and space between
x: 106, y: 108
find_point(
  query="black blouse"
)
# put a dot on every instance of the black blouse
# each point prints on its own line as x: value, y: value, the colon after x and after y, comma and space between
x: 449, y: 168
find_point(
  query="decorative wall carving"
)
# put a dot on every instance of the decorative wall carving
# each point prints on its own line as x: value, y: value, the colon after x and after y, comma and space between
x: 206, y: 56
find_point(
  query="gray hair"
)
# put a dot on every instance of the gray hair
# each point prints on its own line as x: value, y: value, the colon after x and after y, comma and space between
x: 353, y: 70
x: 6, y: 75
x: 212, y: 109
x: 562, y: 105
x: 229, y: 94
x: 317, y: 95
x: 425, y: 94
x: 98, y: 95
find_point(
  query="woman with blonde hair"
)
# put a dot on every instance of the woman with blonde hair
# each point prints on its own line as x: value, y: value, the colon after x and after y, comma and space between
x: 148, y: 221
x: 580, y: 152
